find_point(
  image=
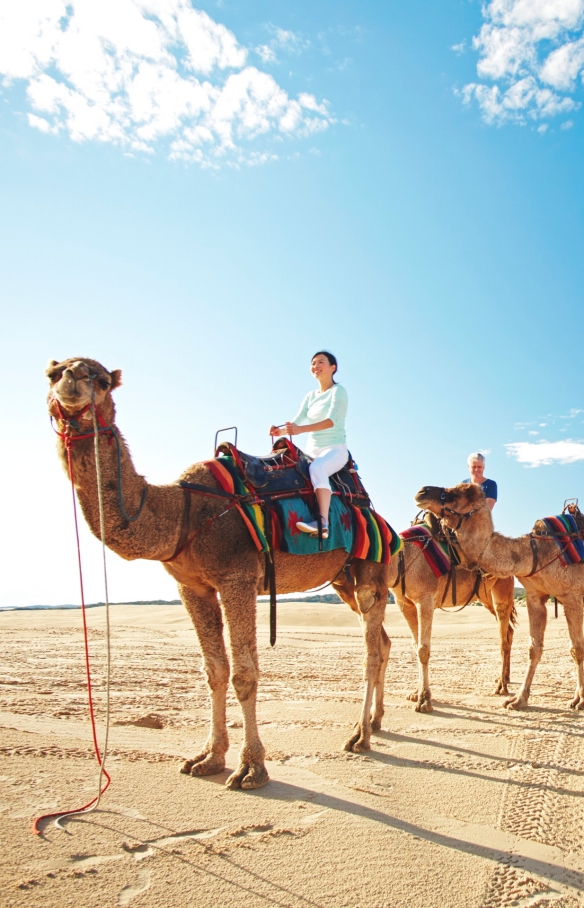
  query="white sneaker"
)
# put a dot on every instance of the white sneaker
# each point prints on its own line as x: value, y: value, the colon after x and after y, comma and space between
x: 312, y: 528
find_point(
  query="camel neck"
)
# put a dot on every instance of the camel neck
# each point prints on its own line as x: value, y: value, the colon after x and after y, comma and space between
x: 153, y: 534
x: 494, y: 553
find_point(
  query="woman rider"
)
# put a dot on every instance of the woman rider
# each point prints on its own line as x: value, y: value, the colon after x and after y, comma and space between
x: 321, y: 415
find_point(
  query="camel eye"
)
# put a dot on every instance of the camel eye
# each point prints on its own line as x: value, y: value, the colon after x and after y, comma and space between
x: 103, y: 384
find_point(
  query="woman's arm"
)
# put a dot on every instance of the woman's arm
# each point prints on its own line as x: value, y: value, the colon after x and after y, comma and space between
x: 293, y: 429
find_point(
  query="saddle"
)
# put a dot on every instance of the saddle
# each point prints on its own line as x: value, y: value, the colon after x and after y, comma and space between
x: 285, y: 472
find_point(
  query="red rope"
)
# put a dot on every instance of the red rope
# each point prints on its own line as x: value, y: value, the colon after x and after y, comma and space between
x: 64, y: 813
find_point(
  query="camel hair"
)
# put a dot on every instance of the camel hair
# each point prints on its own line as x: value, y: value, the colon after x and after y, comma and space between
x: 219, y: 573
x: 424, y: 592
x: 541, y: 572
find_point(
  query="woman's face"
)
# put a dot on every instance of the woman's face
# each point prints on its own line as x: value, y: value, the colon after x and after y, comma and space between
x: 321, y: 368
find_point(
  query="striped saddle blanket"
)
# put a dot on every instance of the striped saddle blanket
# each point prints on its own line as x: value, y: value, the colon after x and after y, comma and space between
x: 436, y: 551
x: 360, y: 531
x: 568, y: 536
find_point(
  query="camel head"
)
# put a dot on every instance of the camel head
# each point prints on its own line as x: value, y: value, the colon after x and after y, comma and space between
x: 75, y: 382
x: 454, y: 504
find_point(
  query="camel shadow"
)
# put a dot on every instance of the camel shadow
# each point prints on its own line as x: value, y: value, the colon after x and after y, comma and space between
x: 285, y: 791
x: 407, y: 739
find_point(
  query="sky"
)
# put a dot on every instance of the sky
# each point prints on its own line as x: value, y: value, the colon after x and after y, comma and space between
x: 203, y: 195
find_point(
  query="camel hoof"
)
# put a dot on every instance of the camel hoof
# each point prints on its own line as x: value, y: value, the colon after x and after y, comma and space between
x: 515, y: 703
x: 247, y: 777
x: 424, y: 704
x: 413, y: 696
x: 375, y: 723
x: 577, y: 702
x: 203, y: 765
x: 501, y: 689
x: 358, y: 743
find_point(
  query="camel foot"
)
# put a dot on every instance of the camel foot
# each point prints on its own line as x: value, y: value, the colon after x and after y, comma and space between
x: 203, y: 765
x: 577, y: 702
x: 248, y: 776
x: 424, y: 704
x: 515, y: 703
x: 501, y: 688
x: 413, y: 696
x: 358, y: 743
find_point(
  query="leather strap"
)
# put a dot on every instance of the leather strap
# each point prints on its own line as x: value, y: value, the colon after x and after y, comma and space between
x: 184, y: 530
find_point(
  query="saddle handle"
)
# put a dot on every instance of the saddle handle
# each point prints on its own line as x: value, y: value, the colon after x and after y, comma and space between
x: 571, y: 506
x: 228, y: 429
x: 278, y: 436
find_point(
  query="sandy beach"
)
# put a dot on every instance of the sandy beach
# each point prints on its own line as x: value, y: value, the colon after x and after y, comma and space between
x: 468, y: 806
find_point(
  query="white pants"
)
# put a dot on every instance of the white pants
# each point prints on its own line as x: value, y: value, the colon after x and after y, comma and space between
x: 326, y: 462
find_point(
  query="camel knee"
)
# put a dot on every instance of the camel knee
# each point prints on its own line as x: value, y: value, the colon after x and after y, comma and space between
x: 216, y: 672
x: 424, y: 654
x: 365, y: 599
x: 535, y: 651
x: 244, y: 685
x: 577, y: 654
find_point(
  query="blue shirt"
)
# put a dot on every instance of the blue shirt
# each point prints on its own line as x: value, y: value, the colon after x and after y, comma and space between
x: 489, y: 487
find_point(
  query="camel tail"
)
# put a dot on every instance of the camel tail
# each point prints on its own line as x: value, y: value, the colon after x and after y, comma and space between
x: 513, y: 617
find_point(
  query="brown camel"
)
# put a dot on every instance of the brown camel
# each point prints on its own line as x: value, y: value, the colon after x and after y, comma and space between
x: 219, y: 572
x: 424, y: 592
x: 535, y: 563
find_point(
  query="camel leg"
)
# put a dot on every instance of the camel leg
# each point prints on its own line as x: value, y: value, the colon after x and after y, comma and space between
x: 425, y: 609
x: 503, y: 612
x: 346, y: 590
x: 537, y: 614
x: 203, y: 607
x: 573, y: 611
x: 371, y: 597
x: 239, y: 605
x: 410, y: 613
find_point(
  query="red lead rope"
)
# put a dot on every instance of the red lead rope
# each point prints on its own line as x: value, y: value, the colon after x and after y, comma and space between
x: 64, y: 813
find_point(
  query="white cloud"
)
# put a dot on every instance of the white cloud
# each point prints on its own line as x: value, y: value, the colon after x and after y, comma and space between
x: 542, y: 453
x: 138, y: 72
x: 531, y: 55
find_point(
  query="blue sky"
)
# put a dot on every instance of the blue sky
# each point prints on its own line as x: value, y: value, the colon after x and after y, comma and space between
x: 401, y: 183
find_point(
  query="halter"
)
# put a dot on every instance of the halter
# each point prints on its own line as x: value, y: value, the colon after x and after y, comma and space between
x: 446, y: 510
x: 72, y: 425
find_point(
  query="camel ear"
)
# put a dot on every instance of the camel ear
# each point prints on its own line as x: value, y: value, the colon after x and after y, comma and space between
x: 50, y: 370
x: 116, y: 377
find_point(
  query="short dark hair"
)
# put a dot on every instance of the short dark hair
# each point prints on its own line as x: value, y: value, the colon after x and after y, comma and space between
x: 331, y: 358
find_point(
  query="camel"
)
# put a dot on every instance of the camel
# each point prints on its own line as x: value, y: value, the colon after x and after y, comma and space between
x: 532, y: 559
x: 219, y: 571
x: 424, y: 593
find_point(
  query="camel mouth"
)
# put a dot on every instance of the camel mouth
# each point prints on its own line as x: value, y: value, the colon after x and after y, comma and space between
x: 428, y: 495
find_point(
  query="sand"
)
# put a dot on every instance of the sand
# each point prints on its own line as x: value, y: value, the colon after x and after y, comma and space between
x: 468, y: 806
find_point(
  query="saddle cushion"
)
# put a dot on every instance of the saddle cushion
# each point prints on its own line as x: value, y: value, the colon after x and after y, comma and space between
x: 567, y: 534
x: 436, y: 553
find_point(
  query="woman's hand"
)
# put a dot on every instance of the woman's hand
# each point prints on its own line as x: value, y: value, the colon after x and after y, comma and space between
x: 275, y: 431
x: 292, y: 429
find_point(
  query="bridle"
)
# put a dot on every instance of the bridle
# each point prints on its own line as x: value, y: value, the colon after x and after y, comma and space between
x: 444, y: 509
x: 72, y: 433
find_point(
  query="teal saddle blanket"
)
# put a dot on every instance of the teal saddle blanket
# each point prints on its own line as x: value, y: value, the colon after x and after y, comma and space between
x: 294, y: 541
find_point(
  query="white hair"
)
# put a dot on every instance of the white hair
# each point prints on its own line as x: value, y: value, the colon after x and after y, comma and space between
x: 476, y: 456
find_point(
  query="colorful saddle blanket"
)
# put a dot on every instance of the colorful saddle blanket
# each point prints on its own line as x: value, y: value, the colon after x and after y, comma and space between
x: 568, y: 536
x: 436, y: 552
x: 361, y: 532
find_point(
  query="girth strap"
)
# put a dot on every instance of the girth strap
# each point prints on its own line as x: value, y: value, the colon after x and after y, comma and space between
x: 184, y: 530
x: 270, y: 570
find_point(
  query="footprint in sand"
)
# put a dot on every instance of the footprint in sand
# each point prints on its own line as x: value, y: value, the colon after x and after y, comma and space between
x: 141, y: 884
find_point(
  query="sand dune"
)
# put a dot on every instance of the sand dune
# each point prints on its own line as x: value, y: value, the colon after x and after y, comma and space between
x: 469, y: 806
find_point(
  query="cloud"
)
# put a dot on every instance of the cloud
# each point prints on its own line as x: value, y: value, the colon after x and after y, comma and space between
x: 136, y: 73
x: 543, y: 453
x: 531, y: 58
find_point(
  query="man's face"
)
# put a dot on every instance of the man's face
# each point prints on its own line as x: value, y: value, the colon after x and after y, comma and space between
x: 476, y: 468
